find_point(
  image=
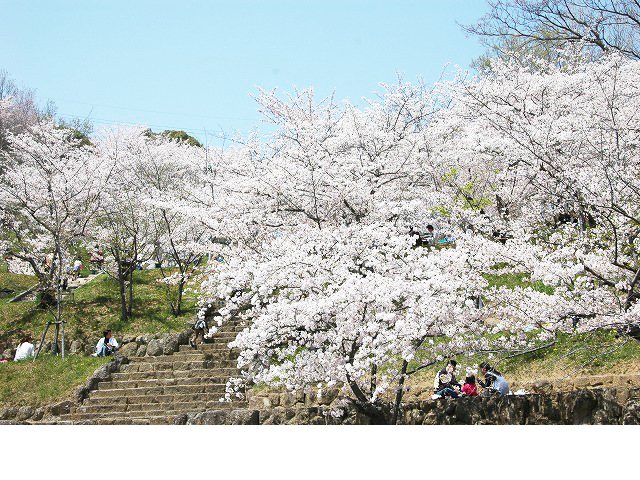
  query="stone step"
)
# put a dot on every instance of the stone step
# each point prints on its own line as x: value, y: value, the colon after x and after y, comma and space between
x: 195, y: 373
x: 208, y: 354
x: 222, y: 340
x: 210, y: 388
x: 209, y: 348
x: 157, y: 366
x: 150, y: 417
x: 150, y: 409
x: 206, y: 347
x: 230, y: 327
x: 150, y: 367
x: 158, y: 400
x: 160, y: 382
x: 159, y: 420
x: 192, y: 355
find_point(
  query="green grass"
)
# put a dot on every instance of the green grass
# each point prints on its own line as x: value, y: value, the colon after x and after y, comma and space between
x: 14, y: 282
x: 47, y: 380
x: 95, y: 307
x: 513, y: 280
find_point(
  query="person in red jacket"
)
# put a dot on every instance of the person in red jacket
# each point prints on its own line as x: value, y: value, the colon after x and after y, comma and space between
x: 469, y: 388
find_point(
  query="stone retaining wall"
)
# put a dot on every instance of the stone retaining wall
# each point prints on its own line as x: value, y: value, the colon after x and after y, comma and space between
x: 619, y: 382
x: 579, y: 407
x: 130, y: 346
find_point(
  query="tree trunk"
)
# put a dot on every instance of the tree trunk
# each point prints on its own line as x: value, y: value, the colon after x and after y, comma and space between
x: 374, y: 378
x: 177, y: 309
x: 130, y: 307
x: 399, y: 392
x: 121, y: 288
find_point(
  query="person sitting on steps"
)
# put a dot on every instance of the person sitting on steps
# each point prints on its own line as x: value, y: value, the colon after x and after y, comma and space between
x: 107, y: 345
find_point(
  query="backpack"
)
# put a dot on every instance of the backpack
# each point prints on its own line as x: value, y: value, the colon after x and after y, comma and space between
x: 200, y: 324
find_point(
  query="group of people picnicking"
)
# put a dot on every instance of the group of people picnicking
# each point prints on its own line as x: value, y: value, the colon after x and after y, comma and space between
x: 446, y: 384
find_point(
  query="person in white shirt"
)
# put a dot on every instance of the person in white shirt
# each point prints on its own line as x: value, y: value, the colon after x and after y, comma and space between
x: 25, y: 349
x: 77, y: 266
x: 106, y: 345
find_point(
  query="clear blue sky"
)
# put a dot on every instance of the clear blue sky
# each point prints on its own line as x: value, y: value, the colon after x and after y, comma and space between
x: 193, y: 65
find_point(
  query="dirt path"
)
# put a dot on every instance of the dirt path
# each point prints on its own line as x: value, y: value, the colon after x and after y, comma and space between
x: 30, y: 294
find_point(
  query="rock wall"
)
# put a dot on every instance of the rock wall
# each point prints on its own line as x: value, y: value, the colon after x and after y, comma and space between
x: 619, y: 382
x: 154, y: 345
x: 130, y: 346
x: 579, y: 407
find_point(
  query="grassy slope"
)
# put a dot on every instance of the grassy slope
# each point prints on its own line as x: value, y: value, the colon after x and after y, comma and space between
x: 45, y: 381
x: 14, y: 282
x: 95, y: 306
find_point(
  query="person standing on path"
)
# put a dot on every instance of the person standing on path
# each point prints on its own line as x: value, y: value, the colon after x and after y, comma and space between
x: 77, y: 266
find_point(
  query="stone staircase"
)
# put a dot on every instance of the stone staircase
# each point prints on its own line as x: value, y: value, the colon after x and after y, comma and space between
x: 156, y: 390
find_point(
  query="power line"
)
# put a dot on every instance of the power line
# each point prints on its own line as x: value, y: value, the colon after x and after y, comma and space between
x: 105, y: 121
x: 116, y: 107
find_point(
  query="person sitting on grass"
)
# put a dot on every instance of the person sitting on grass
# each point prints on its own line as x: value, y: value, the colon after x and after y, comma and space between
x: 470, y: 388
x: 25, y: 348
x: 445, y: 384
x: 494, y: 383
x: 107, y: 345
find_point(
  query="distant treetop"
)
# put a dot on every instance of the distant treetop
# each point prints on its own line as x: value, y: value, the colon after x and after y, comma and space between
x: 179, y: 135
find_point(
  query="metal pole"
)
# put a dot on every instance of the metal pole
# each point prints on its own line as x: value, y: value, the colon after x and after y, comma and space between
x: 62, y: 322
x: 59, y: 313
x: 59, y: 316
x: 55, y: 343
x: 44, y: 334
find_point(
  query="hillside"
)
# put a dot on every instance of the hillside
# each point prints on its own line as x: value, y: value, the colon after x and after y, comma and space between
x: 93, y: 308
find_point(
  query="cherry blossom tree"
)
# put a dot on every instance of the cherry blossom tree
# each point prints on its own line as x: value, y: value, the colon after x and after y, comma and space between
x: 141, y: 218
x: 124, y: 222
x: 321, y: 261
x: 49, y: 192
x: 531, y: 170
x: 169, y: 171
x: 557, y: 158
x: 598, y: 26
